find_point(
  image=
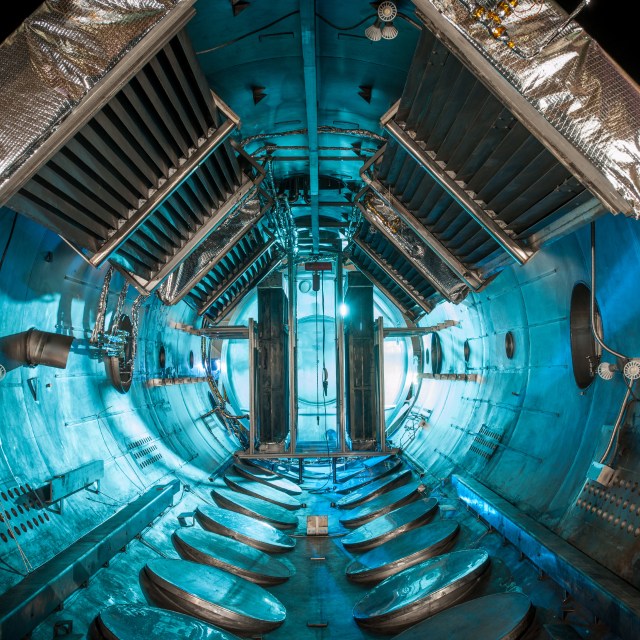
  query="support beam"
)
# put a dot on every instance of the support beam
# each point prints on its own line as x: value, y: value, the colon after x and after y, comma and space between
x: 308, y: 30
x: 292, y: 352
x: 26, y: 605
x: 607, y: 596
x: 459, y: 192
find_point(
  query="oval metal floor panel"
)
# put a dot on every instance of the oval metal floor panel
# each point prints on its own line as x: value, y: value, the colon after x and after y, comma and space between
x: 404, y: 551
x: 373, y: 490
x: 390, y: 525
x: 377, y: 471
x: 421, y: 591
x: 261, y: 491
x: 268, y: 478
x: 255, y: 533
x: 272, y: 514
x: 500, y: 616
x: 229, y: 555
x: 136, y: 621
x: 389, y: 501
x: 212, y: 595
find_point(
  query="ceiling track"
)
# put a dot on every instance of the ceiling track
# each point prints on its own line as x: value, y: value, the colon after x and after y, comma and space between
x: 150, y: 176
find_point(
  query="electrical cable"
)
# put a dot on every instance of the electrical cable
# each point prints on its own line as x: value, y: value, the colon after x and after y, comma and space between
x: 247, y: 35
x: 618, y: 424
x: 9, y: 237
x: 339, y: 28
x: 594, y: 329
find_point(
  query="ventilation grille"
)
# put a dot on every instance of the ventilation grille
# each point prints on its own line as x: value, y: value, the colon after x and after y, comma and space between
x: 21, y: 514
x: 486, y: 442
x: 149, y: 176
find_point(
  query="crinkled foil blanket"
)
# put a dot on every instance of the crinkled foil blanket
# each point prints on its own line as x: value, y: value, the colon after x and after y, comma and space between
x: 54, y: 59
x: 572, y: 82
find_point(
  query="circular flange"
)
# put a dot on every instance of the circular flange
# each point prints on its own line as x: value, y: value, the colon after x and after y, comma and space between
x: 230, y: 555
x: 404, y: 551
x: 373, y: 490
x: 256, y: 534
x: 500, y: 616
x: 135, y: 621
x: 268, y: 478
x: 382, y: 504
x: 272, y: 514
x: 421, y: 591
x: 377, y: 471
x: 212, y: 595
x: 389, y: 526
x: 262, y: 491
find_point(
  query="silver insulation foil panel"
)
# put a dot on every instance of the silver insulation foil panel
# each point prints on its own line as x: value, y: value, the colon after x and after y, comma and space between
x: 569, y: 79
x: 56, y: 57
x: 212, y: 250
x: 383, y: 218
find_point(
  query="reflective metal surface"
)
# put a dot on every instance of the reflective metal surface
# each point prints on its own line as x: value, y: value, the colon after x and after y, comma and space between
x: 272, y: 514
x: 370, y: 491
x: 136, y: 621
x: 382, y: 504
x: 389, y: 526
x: 500, y: 616
x: 404, y: 551
x: 245, y: 529
x: 421, y: 591
x: 268, y: 478
x: 377, y: 471
x: 262, y: 491
x: 230, y: 555
x: 212, y: 595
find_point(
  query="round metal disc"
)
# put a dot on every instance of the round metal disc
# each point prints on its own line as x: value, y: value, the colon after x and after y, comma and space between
x: 230, y: 555
x: 135, y: 621
x: 262, y: 491
x: 421, y: 591
x: 255, y: 533
x: 501, y: 616
x: 212, y: 595
x: 389, y: 526
x: 268, y: 478
x: 404, y: 551
x: 255, y: 507
x: 373, y: 490
x: 377, y: 471
x: 389, y: 501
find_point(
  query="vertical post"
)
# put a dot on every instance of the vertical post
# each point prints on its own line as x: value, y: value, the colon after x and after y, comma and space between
x: 293, y: 373
x: 341, y: 426
x: 334, y: 468
x: 382, y: 423
x: 252, y: 384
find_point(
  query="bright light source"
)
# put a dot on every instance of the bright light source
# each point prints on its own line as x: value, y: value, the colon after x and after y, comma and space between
x: 374, y: 33
x: 344, y: 310
x: 389, y: 32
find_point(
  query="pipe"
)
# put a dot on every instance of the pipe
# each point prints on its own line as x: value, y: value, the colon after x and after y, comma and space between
x: 594, y: 330
x: 34, y: 347
x: 618, y: 424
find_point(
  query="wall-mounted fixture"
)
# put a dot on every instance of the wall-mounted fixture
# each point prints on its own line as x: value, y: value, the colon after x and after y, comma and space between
x: 383, y: 27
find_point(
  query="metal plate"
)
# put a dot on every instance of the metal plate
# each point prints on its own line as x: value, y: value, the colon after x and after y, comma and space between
x: 404, y: 551
x: 262, y: 491
x: 256, y: 534
x: 500, y: 616
x: 229, y: 555
x: 377, y: 471
x: 135, y: 621
x: 373, y: 490
x: 212, y: 595
x: 382, y: 504
x: 421, y: 591
x: 255, y: 508
x: 268, y: 478
x: 389, y: 526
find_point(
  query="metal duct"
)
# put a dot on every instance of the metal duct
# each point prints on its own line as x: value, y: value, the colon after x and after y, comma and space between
x: 35, y: 347
x: 59, y: 58
x: 568, y: 91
